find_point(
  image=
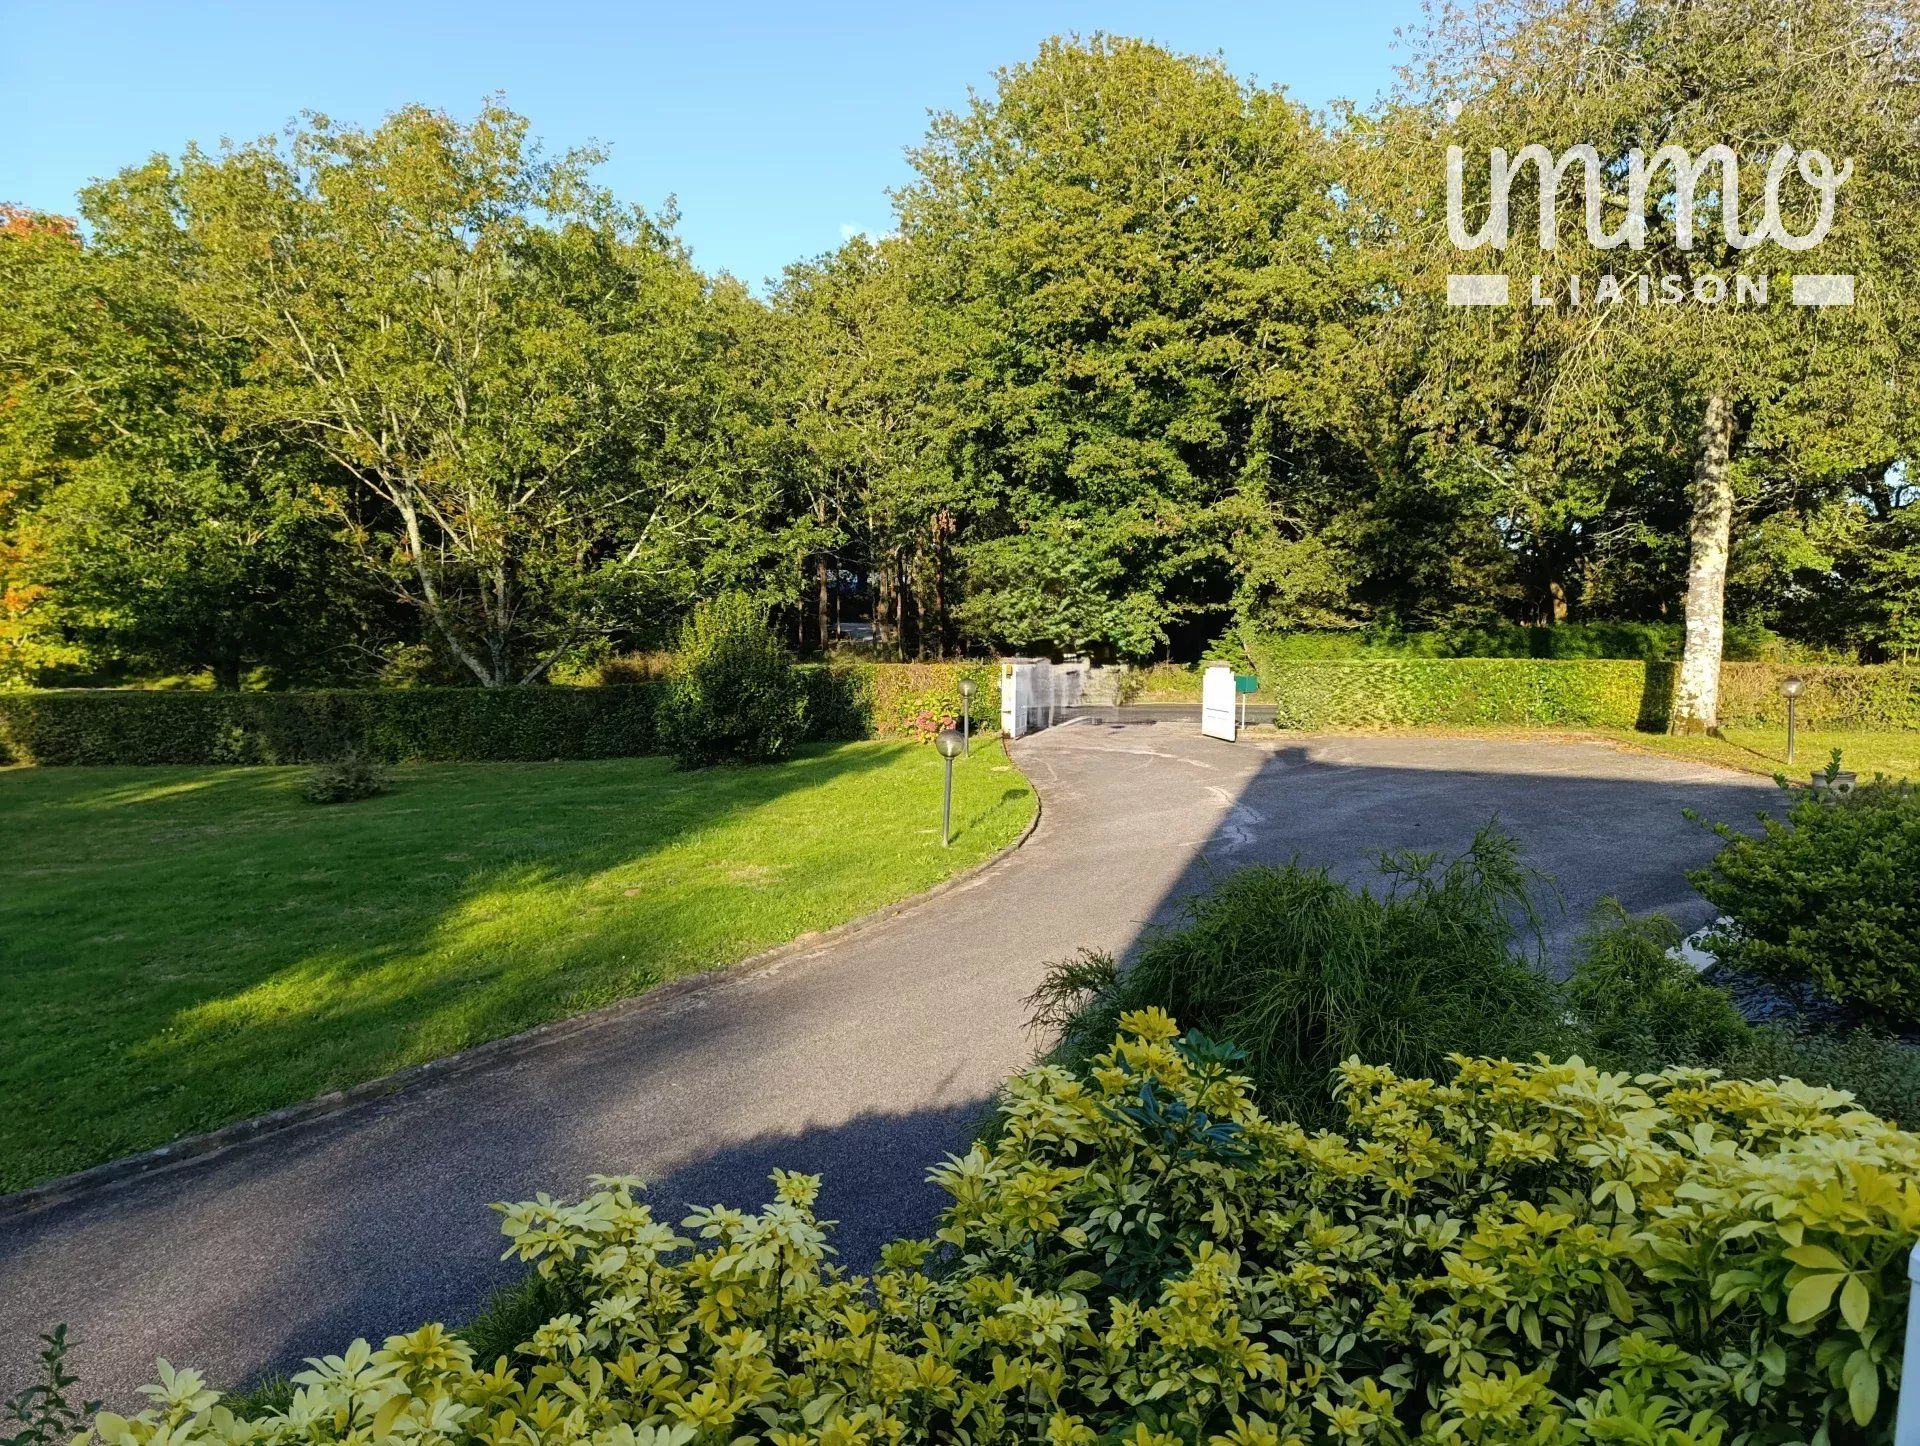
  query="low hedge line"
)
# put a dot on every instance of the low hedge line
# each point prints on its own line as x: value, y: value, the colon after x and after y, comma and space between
x: 899, y: 700
x: 1611, y: 693
x: 402, y: 725
x: 1460, y: 692
x: 441, y: 725
x: 1884, y: 697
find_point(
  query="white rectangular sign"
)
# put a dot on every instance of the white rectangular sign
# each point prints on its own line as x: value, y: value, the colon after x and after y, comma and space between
x: 1217, y: 703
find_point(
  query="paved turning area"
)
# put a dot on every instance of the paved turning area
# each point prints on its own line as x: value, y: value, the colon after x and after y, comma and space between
x: 866, y: 1059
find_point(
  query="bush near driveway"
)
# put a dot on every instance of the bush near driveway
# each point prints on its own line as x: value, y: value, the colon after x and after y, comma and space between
x: 844, y: 702
x: 1305, y: 972
x: 732, y: 695
x: 1570, y: 693
x: 1829, y: 897
x: 1637, y: 1007
x: 1529, y: 1253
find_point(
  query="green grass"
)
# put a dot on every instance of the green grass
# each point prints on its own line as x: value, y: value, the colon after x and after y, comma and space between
x: 1764, y: 750
x: 188, y: 946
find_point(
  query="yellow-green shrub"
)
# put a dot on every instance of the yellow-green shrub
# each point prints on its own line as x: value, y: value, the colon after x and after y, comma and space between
x: 1530, y: 1253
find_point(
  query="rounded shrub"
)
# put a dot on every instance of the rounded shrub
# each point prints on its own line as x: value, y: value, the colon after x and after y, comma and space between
x: 734, y: 695
x: 1828, y: 897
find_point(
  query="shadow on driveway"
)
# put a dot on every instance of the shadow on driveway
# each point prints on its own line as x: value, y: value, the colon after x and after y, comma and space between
x: 866, y: 1059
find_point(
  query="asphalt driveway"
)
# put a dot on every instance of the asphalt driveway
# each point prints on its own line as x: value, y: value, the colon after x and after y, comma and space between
x: 866, y: 1058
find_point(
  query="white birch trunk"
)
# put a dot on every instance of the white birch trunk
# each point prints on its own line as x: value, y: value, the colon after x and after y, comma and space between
x: 1696, y: 699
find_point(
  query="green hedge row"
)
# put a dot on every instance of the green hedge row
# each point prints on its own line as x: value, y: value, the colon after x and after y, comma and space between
x: 899, y: 700
x: 394, y: 725
x: 1459, y: 692
x: 421, y: 725
x: 1621, y: 693
x: 1883, y: 697
x: 1650, y: 642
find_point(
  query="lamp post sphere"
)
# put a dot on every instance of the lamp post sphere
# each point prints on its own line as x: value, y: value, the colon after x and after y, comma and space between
x: 966, y: 689
x: 1793, y: 687
x: 949, y: 742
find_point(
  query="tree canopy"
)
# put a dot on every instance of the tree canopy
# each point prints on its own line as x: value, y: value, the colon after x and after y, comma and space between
x: 1154, y: 356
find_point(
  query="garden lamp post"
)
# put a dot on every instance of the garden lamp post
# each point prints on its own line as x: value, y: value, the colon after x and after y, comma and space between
x: 1791, y: 688
x: 966, y: 716
x: 949, y: 742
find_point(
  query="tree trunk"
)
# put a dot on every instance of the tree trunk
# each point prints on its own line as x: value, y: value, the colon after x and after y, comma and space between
x: 942, y: 525
x: 822, y: 605
x: 1696, y: 700
x: 226, y: 673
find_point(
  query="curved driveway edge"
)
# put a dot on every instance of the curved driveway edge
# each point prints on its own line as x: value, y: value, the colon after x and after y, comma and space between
x: 864, y: 1056
x: 185, y: 1150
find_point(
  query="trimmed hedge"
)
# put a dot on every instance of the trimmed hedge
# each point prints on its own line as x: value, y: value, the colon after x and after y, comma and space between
x: 406, y: 725
x: 1609, y: 693
x: 451, y: 725
x: 893, y: 700
x: 1650, y: 642
x: 898, y: 700
x: 1459, y: 691
x: 1886, y: 697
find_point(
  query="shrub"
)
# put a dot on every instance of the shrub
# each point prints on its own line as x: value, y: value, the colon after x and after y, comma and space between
x: 46, y: 1413
x: 1529, y: 1253
x: 1881, y: 697
x: 1649, y: 642
x: 733, y: 695
x: 903, y: 700
x: 1881, y: 1073
x: 351, y: 776
x: 1637, y: 1007
x: 1305, y: 972
x: 1460, y: 692
x: 1827, y: 897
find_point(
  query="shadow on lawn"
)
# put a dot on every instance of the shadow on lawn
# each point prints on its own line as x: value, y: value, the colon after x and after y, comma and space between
x: 281, y: 949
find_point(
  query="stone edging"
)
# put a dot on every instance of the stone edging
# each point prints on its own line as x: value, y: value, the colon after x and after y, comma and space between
x: 188, y: 1148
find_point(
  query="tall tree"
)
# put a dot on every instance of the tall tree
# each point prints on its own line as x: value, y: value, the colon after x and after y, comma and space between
x: 144, y: 527
x: 868, y: 455
x: 1129, y: 250
x: 525, y: 380
x: 1733, y: 391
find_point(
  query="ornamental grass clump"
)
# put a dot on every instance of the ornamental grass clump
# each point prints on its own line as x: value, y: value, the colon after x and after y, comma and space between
x: 1539, y: 1253
x: 1303, y: 971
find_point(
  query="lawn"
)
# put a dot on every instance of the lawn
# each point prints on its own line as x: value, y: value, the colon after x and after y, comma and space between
x: 183, y: 947
x: 1764, y: 750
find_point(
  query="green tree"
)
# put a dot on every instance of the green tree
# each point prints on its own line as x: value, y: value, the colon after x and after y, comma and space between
x: 1739, y: 395
x: 867, y: 441
x: 145, y: 528
x: 1128, y: 256
x: 526, y: 381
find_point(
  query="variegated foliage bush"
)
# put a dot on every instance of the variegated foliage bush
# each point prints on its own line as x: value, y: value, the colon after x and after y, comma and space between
x: 1533, y: 1253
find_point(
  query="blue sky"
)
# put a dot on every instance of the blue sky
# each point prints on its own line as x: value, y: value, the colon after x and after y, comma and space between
x: 776, y: 126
